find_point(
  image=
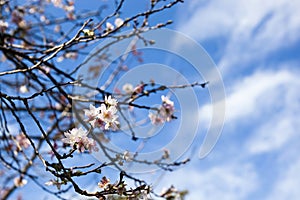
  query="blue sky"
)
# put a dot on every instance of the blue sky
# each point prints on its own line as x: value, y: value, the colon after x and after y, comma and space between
x: 256, y: 46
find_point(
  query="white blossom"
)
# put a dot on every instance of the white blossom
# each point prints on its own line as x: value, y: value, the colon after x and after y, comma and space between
x: 20, y: 181
x: 167, y: 108
x: 88, y: 32
x: 165, y: 112
x: 57, y: 3
x: 166, y: 100
x: 22, y: 141
x: 23, y: 89
x: 110, y: 101
x: 53, y: 182
x: 69, y: 8
x: 104, y: 182
x: 3, y: 25
x: 105, y: 116
x: 119, y: 22
x: 108, y: 115
x: 155, y: 119
x: 109, y: 26
x: 78, y: 138
x: 127, y: 156
x: 91, y: 113
x: 128, y: 88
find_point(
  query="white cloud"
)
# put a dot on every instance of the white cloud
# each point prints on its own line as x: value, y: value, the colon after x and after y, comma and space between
x: 252, y: 30
x: 274, y: 134
x: 267, y: 101
x: 252, y: 95
x: 227, y: 182
x: 287, y: 186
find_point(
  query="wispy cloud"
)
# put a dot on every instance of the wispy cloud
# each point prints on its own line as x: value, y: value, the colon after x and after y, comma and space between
x: 262, y: 104
x: 251, y: 30
x: 287, y: 186
x: 228, y: 181
x: 252, y: 95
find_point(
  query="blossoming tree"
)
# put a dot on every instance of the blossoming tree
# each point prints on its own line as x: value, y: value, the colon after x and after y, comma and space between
x: 47, y: 141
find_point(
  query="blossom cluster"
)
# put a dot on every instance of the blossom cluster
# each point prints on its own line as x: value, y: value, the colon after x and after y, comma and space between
x: 105, y: 116
x: 78, y: 139
x: 22, y: 141
x: 3, y: 25
x: 118, y: 23
x: 164, y: 113
x: 20, y: 181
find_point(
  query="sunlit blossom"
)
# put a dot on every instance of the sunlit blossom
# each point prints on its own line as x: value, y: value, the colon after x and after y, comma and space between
x: 22, y: 141
x: 119, y: 22
x: 155, y: 119
x: 108, y: 115
x: 91, y: 113
x: 109, y: 26
x: 55, y: 183
x: 20, y: 181
x: 105, y: 116
x: 23, y: 89
x: 3, y: 25
x: 165, y: 112
x: 110, y: 101
x: 128, y: 88
x: 104, y: 182
x: 78, y: 138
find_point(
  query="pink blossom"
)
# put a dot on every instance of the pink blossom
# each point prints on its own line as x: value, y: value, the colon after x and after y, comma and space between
x: 119, y: 22
x: 167, y: 108
x: 128, y: 88
x: 108, y: 115
x: 55, y: 183
x: 20, y: 181
x: 155, y: 119
x: 3, y: 25
x: 22, y: 141
x: 109, y: 26
x: 110, y: 101
x: 104, y: 117
x: 91, y: 113
x: 165, y: 112
x: 78, y: 138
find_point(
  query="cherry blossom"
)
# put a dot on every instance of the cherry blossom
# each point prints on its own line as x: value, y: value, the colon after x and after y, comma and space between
x: 22, y: 141
x: 20, y: 181
x: 167, y: 108
x: 128, y: 88
x: 104, y: 182
x: 3, y: 25
x: 109, y: 26
x: 110, y: 101
x: 127, y: 156
x: 91, y: 113
x: 57, y: 3
x: 108, y: 115
x: 23, y: 89
x: 88, y: 32
x: 166, y: 100
x: 55, y: 183
x: 78, y: 138
x: 139, y: 88
x: 105, y: 116
x: 119, y: 22
x: 165, y: 112
x: 155, y: 119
